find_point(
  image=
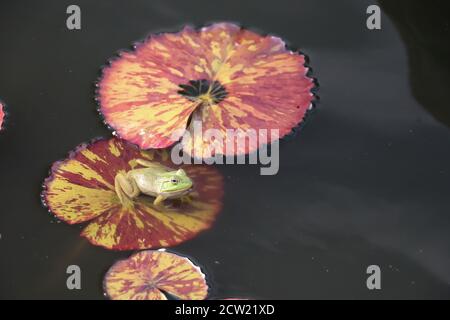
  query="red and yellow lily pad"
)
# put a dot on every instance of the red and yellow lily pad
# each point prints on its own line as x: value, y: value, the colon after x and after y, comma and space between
x: 81, y: 189
x: 223, y: 75
x: 150, y: 275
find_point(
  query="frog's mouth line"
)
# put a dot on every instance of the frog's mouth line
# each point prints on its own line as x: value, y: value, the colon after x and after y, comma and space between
x: 178, y: 192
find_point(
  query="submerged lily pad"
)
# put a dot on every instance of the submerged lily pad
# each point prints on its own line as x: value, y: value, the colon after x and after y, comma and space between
x: 223, y: 75
x: 81, y: 189
x: 152, y: 275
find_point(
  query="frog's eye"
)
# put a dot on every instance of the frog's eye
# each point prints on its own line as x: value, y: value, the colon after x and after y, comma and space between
x: 174, y: 181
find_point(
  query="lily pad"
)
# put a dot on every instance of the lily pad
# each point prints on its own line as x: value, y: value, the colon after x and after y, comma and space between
x: 225, y: 76
x: 152, y: 275
x: 81, y: 189
x: 2, y: 114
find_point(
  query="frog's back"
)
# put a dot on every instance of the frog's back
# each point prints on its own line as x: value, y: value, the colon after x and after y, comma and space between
x: 145, y: 179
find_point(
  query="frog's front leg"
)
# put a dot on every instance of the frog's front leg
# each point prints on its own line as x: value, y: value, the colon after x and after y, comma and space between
x: 125, y: 187
x: 159, y: 199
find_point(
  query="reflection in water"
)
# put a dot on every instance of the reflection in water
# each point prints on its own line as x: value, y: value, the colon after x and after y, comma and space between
x: 425, y: 29
x: 54, y: 276
x: 81, y: 189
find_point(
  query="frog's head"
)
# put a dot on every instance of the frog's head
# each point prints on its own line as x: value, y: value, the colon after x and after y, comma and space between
x: 174, y: 182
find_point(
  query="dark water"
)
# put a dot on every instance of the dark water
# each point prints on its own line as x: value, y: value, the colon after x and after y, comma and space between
x: 366, y: 181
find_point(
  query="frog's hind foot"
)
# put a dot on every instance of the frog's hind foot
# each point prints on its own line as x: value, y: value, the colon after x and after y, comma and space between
x: 126, y: 189
x: 146, y: 163
x: 186, y: 199
x: 149, y: 164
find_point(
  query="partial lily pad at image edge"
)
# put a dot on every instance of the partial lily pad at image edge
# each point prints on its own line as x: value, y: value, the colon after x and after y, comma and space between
x: 2, y: 115
x: 154, y: 275
x: 80, y: 189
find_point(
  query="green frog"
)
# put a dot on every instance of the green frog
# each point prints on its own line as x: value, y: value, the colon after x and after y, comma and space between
x: 154, y: 180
